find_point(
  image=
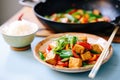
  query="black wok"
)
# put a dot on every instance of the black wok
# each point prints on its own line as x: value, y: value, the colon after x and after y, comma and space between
x: 110, y: 8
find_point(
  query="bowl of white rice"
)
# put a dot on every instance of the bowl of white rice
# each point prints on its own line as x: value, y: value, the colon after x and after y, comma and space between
x: 19, y: 33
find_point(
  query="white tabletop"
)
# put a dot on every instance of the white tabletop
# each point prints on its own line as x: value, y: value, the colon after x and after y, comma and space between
x: 21, y: 65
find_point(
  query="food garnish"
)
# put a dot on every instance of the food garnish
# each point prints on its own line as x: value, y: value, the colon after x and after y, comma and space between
x: 78, y: 16
x: 71, y: 52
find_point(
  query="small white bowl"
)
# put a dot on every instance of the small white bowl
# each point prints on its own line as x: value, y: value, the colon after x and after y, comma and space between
x: 19, y: 40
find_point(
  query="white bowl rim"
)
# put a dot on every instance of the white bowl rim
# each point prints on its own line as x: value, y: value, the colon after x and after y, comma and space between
x: 1, y: 31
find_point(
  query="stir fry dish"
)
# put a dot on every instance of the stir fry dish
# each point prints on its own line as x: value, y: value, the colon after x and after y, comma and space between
x: 71, y: 52
x: 78, y: 16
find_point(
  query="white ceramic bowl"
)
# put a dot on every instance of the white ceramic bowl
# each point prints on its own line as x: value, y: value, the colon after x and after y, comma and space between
x: 20, y: 40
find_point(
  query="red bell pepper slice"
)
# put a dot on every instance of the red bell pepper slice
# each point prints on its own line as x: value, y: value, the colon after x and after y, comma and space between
x: 85, y: 44
x: 58, y: 58
x: 75, y: 54
x: 94, y: 57
x: 48, y: 49
x: 84, y: 20
x: 64, y: 64
x: 72, y: 11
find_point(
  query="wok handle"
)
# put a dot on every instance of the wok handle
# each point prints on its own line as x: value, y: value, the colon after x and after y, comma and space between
x: 116, y: 21
x: 30, y: 3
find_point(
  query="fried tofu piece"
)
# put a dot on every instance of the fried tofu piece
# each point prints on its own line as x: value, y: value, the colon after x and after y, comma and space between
x: 96, y: 47
x: 86, y: 56
x: 78, y: 48
x: 82, y: 38
x: 75, y: 62
x: 51, y: 58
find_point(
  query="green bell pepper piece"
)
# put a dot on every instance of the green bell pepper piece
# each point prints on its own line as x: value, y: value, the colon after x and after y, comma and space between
x: 66, y: 53
x: 94, y: 52
x: 41, y: 56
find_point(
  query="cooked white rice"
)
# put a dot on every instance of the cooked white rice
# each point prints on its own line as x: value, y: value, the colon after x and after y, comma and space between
x: 20, y: 28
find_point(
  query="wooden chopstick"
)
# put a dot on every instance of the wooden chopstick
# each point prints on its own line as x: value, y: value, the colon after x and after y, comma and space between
x: 97, y: 65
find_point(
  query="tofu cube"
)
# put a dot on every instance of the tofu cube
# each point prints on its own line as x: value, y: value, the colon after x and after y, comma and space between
x: 82, y: 38
x: 51, y: 58
x: 78, y: 48
x: 96, y: 47
x: 75, y: 62
x: 86, y: 56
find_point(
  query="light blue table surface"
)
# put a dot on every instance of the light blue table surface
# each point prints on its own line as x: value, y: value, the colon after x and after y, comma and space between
x: 21, y: 65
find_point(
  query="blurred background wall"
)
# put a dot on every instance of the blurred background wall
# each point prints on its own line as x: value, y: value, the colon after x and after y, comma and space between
x: 8, y: 8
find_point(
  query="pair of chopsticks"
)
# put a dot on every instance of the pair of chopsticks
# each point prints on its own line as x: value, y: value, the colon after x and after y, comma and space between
x: 97, y: 65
